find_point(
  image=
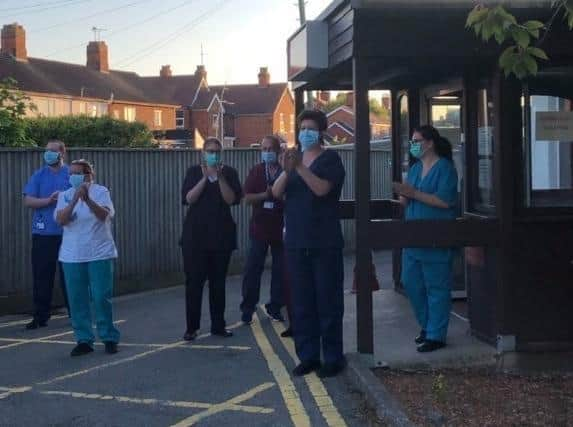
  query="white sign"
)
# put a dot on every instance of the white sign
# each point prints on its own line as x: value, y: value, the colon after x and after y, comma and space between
x: 485, y: 139
x: 554, y: 126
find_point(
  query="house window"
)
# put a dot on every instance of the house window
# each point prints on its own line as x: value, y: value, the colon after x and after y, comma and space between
x: 180, y: 119
x: 116, y: 114
x: 82, y: 108
x: 282, y: 123
x: 129, y: 114
x: 215, y: 121
x: 93, y: 110
x: 291, y: 123
x: 157, y: 118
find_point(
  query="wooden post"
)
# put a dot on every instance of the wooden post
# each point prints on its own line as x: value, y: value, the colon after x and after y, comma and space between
x: 365, y: 323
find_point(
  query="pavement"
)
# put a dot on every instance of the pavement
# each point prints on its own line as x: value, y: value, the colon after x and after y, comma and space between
x: 159, y: 380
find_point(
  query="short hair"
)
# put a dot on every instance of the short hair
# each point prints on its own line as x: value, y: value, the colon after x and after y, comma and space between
x: 275, y: 139
x: 316, y: 116
x: 87, y: 166
x: 212, y: 140
x: 57, y: 141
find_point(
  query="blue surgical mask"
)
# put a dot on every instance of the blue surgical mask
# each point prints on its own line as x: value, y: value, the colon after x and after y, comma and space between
x: 269, y: 157
x: 308, y: 138
x: 212, y: 159
x: 51, y: 157
x: 416, y: 149
x: 77, y: 180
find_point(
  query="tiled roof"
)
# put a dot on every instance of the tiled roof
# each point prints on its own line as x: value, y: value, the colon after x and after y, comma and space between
x: 243, y: 99
x: 179, y: 90
x: 53, y: 77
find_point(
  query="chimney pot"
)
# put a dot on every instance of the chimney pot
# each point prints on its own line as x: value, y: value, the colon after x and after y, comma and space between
x: 165, y: 71
x: 264, y: 77
x: 97, y: 56
x: 14, y: 41
x: 201, y: 72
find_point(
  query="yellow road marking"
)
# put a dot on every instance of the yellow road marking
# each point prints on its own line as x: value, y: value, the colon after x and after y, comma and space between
x: 290, y: 396
x: 169, y: 403
x: 316, y: 387
x: 125, y: 360
x: 224, y: 406
x: 24, y: 322
x: 41, y: 339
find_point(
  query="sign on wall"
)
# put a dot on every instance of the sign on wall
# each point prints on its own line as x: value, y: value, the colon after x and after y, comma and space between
x: 554, y: 126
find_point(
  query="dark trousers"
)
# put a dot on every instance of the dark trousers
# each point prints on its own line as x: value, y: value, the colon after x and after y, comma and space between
x: 317, y: 280
x: 45, y: 251
x: 202, y: 266
x: 254, y: 270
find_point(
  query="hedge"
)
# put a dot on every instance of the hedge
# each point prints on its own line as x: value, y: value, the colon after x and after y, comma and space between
x: 84, y: 131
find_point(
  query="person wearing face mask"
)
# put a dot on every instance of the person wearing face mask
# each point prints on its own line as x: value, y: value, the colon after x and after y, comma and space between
x: 85, y: 212
x: 265, y: 231
x: 311, y: 185
x: 41, y: 194
x: 209, y: 236
x: 430, y: 193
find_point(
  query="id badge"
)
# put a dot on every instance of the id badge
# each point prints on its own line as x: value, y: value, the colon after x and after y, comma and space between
x: 269, y: 205
x: 212, y: 179
x: 40, y: 226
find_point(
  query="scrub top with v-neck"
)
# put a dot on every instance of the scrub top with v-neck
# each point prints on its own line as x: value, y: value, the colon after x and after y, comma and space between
x: 442, y: 182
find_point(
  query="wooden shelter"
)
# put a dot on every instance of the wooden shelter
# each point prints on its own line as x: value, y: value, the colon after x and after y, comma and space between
x: 515, y: 139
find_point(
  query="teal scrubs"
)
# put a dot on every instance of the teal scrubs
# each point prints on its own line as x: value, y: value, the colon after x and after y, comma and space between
x: 427, y: 272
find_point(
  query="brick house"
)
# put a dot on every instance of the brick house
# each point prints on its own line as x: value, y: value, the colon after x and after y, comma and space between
x: 341, y: 124
x: 59, y: 88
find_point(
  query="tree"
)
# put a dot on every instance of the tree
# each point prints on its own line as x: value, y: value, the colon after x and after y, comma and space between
x: 13, y: 107
x: 522, y: 55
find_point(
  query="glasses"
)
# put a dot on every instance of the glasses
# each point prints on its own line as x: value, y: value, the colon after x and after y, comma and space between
x: 415, y: 141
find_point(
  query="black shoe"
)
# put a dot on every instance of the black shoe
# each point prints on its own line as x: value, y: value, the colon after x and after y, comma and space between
x: 224, y: 333
x: 306, y: 368
x: 421, y: 338
x: 111, y: 347
x: 275, y: 316
x: 247, y: 318
x: 287, y: 333
x: 430, y: 345
x: 81, y: 349
x: 331, y: 369
x: 190, y: 336
x: 35, y: 324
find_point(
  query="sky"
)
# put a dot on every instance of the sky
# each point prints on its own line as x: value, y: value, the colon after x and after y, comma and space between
x: 238, y: 36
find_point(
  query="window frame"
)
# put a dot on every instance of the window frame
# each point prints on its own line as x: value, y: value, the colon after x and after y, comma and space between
x: 157, y: 114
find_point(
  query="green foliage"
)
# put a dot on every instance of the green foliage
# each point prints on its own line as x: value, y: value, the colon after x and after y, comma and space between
x: 521, y: 58
x: 84, y: 131
x: 439, y: 387
x: 13, y: 107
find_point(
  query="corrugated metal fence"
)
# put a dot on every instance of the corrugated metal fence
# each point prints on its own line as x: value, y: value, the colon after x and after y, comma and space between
x: 145, y: 187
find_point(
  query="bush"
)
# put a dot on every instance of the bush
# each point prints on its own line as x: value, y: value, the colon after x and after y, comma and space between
x: 84, y: 131
x: 13, y: 106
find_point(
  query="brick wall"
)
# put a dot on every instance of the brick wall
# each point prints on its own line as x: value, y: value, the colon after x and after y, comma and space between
x: 286, y: 109
x: 251, y: 129
x: 146, y: 114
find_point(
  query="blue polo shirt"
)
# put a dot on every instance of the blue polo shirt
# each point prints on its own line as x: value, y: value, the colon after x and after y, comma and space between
x: 313, y: 222
x: 43, y: 184
x: 442, y: 182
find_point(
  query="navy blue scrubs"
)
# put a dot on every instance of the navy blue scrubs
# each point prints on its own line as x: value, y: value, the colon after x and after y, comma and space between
x: 427, y: 272
x: 314, y: 244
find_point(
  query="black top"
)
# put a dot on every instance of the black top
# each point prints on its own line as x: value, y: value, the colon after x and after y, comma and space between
x: 311, y: 221
x: 209, y: 224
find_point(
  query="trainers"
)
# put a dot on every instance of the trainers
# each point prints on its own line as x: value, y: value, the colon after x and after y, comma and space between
x: 222, y: 333
x: 247, y: 318
x: 430, y: 345
x: 287, y: 333
x: 306, y: 368
x: 81, y: 349
x: 420, y: 338
x: 111, y: 347
x: 331, y: 369
x: 190, y: 336
x: 35, y: 324
x: 275, y: 316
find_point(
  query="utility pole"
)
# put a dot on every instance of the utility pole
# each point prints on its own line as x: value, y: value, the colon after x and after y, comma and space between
x: 302, y: 11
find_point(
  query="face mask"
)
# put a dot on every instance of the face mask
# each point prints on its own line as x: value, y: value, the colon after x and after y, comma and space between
x: 416, y: 149
x: 51, y: 157
x: 269, y: 157
x: 76, y: 180
x: 212, y: 159
x: 308, y: 138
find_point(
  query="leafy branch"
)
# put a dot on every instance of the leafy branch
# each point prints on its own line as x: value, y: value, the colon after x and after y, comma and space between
x: 522, y: 55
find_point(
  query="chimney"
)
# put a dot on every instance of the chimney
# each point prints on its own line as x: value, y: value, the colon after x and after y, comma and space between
x: 264, y: 77
x: 349, y: 100
x: 14, y: 41
x: 165, y: 71
x: 98, y: 56
x: 201, y: 72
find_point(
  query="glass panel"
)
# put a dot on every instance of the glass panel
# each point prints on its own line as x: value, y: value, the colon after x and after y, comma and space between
x: 404, y: 135
x: 484, y: 195
x: 550, y: 149
x: 446, y: 116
